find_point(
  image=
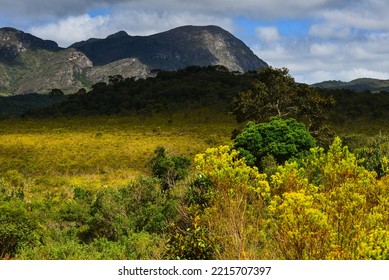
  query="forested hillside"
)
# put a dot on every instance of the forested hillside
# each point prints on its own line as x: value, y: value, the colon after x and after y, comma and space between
x: 170, y: 91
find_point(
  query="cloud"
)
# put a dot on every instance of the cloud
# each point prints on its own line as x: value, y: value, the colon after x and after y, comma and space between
x: 323, y: 50
x: 343, y: 43
x: 311, y: 60
x: 52, y: 8
x: 349, y: 13
x: 329, y: 30
x: 267, y: 34
x: 367, y: 15
x: 72, y: 29
x: 259, y: 9
x: 142, y: 22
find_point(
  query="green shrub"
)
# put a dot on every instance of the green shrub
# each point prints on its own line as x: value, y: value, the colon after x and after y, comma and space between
x: 200, y: 192
x: 147, y: 206
x: 194, y: 243
x: 17, y: 229
x: 109, y: 219
x: 282, y: 139
x: 168, y: 168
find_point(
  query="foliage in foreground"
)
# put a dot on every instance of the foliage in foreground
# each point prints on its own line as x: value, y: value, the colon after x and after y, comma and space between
x: 123, y: 223
x: 327, y: 207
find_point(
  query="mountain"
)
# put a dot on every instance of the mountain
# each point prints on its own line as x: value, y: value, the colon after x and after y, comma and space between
x: 30, y: 64
x: 362, y: 84
x: 14, y: 42
x: 175, y: 49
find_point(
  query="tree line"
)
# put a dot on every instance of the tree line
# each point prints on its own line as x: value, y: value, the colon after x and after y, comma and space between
x: 274, y: 90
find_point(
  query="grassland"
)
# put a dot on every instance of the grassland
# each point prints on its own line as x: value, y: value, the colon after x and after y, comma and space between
x: 82, y: 196
x: 57, y: 154
x: 53, y: 155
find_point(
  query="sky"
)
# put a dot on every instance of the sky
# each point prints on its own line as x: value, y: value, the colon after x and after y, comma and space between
x: 316, y: 40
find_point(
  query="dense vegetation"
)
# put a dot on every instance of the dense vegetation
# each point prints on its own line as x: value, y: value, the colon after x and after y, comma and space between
x: 356, y: 106
x: 192, y: 87
x: 17, y: 105
x: 64, y: 176
x: 325, y: 207
x: 198, y: 87
x: 162, y: 178
x: 279, y: 139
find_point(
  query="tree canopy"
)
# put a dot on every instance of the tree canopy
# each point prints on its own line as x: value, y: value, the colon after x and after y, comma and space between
x: 274, y: 92
x: 279, y: 138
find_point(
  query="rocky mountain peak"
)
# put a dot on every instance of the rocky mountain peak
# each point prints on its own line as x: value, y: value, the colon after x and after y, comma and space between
x: 14, y: 42
x: 226, y: 49
x: 21, y: 41
x: 175, y: 49
x: 119, y: 34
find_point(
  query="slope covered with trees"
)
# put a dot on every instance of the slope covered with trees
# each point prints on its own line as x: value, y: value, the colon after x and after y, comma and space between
x: 192, y: 87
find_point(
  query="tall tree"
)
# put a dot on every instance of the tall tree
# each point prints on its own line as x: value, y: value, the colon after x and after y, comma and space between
x: 274, y: 92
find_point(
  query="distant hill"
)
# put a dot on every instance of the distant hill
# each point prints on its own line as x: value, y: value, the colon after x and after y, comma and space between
x: 363, y: 84
x: 29, y: 64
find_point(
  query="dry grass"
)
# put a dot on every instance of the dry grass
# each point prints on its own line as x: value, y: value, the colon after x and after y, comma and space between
x: 55, y: 154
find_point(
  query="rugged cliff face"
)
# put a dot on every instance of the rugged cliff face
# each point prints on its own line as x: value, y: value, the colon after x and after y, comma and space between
x: 13, y: 42
x: 30, y: 64
x: 127, y: 67
x: 63, y: 70
x: 209, y: 45
x: 175, y: 49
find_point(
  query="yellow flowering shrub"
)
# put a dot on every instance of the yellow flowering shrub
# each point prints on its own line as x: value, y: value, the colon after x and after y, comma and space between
x: 234, y: 217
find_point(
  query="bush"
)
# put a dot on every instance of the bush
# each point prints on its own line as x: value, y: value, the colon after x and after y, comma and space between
x: 168, y: 168
x: 17, y: 228
x: 193, y: 244
x: 109, y: 217
x: 282, y: 139
x: 372, y: 152
x: 147, y: 206
x: 235, y: 197
x: 373, y: 159
x: 200, y: 192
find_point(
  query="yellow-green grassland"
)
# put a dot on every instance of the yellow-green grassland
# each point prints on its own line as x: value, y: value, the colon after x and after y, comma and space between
x: 52, y: 155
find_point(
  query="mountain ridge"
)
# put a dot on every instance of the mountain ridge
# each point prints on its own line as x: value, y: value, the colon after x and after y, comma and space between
x: 360, y: 84
x: 14, y: 42
x: 174, y: 49
x: 31, y: 64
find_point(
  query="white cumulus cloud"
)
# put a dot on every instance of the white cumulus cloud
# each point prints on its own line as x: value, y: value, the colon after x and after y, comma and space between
x: 135, y: 22
x: 267, y: 34
x: 72, y: 29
